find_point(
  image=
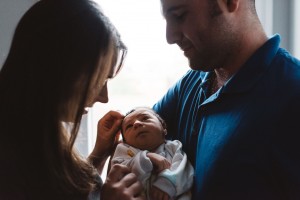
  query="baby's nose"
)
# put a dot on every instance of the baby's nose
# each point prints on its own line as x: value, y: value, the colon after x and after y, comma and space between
x: 137, y: 124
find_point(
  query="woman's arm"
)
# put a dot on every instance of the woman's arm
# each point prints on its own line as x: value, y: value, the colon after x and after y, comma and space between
x: 107, y: 138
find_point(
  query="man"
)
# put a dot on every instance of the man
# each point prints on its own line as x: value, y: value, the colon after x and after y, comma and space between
x: 237, y: 111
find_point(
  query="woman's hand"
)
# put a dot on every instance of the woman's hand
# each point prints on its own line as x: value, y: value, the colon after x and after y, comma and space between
x: 107, y: 138
x: 120, y: 184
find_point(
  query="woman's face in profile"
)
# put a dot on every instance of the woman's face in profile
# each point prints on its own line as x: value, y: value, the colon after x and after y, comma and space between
x: 99, y: 90
x: 108, y: 66
x: 98, y: 94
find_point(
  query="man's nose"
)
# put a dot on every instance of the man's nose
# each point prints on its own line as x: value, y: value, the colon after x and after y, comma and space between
x: 173, y: 33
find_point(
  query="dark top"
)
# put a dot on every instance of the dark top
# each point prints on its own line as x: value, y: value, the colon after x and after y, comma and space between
x: 244, y: 140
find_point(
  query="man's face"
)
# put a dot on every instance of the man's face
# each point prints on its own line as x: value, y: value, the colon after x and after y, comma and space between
x: 199, y: 28
x: 143, y: 130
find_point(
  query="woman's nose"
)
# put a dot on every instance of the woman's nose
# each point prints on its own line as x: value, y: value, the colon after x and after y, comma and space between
x: 103, y: 95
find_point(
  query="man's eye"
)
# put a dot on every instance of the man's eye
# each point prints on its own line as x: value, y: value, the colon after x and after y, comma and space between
x: 179, y: 17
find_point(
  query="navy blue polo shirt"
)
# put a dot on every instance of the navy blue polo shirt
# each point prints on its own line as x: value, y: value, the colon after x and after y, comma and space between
x: 244, y: 140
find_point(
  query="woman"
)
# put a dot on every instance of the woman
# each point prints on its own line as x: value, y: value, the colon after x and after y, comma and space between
x: 62, y: 54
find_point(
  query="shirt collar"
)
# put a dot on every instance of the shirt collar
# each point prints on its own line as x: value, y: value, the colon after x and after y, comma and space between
x: 253, y: 70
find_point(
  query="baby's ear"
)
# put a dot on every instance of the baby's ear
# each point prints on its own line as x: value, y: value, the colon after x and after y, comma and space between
x: 165, y: 132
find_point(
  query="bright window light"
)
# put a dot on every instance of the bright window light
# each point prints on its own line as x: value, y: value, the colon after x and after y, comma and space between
x: 151, y: 65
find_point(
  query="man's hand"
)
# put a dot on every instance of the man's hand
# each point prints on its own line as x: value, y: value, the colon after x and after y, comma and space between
x: 159, y: 162
x: 157, y: 194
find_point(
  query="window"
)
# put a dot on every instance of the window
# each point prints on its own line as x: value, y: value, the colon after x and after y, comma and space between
x: 152, y: 65
x: 296, y: 28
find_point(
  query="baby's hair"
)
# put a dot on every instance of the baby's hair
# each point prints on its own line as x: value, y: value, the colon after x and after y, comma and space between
x: 161, y: 120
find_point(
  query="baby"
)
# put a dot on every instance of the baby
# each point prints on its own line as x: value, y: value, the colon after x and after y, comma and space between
x: 160, y: 164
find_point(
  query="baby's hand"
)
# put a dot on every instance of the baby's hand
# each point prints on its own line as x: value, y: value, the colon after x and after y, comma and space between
x: 157, y: 194
x: 159, y: 162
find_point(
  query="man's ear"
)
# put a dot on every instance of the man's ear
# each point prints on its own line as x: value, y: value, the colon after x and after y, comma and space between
x: 229, y: 5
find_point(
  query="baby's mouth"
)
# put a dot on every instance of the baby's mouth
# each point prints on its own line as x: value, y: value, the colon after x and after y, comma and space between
x: 140, y: 133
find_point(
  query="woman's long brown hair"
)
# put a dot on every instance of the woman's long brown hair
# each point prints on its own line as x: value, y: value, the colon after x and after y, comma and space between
x: 56, y: 44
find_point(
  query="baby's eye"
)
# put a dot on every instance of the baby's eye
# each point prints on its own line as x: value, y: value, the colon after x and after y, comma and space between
x: 145, y: 118
x: 128, y: 127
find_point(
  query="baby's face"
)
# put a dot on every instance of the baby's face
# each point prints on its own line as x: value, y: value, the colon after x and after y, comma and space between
x: 143, y: 130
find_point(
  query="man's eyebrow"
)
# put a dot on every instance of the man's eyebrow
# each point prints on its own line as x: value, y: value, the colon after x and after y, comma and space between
x: 172, y: 9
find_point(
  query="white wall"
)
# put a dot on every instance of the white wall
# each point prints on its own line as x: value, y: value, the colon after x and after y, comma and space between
x: 296, y: 28
x: 12, y: 10
x: 283, y: 17
x: 265, y: 13
x: 10, y: 13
